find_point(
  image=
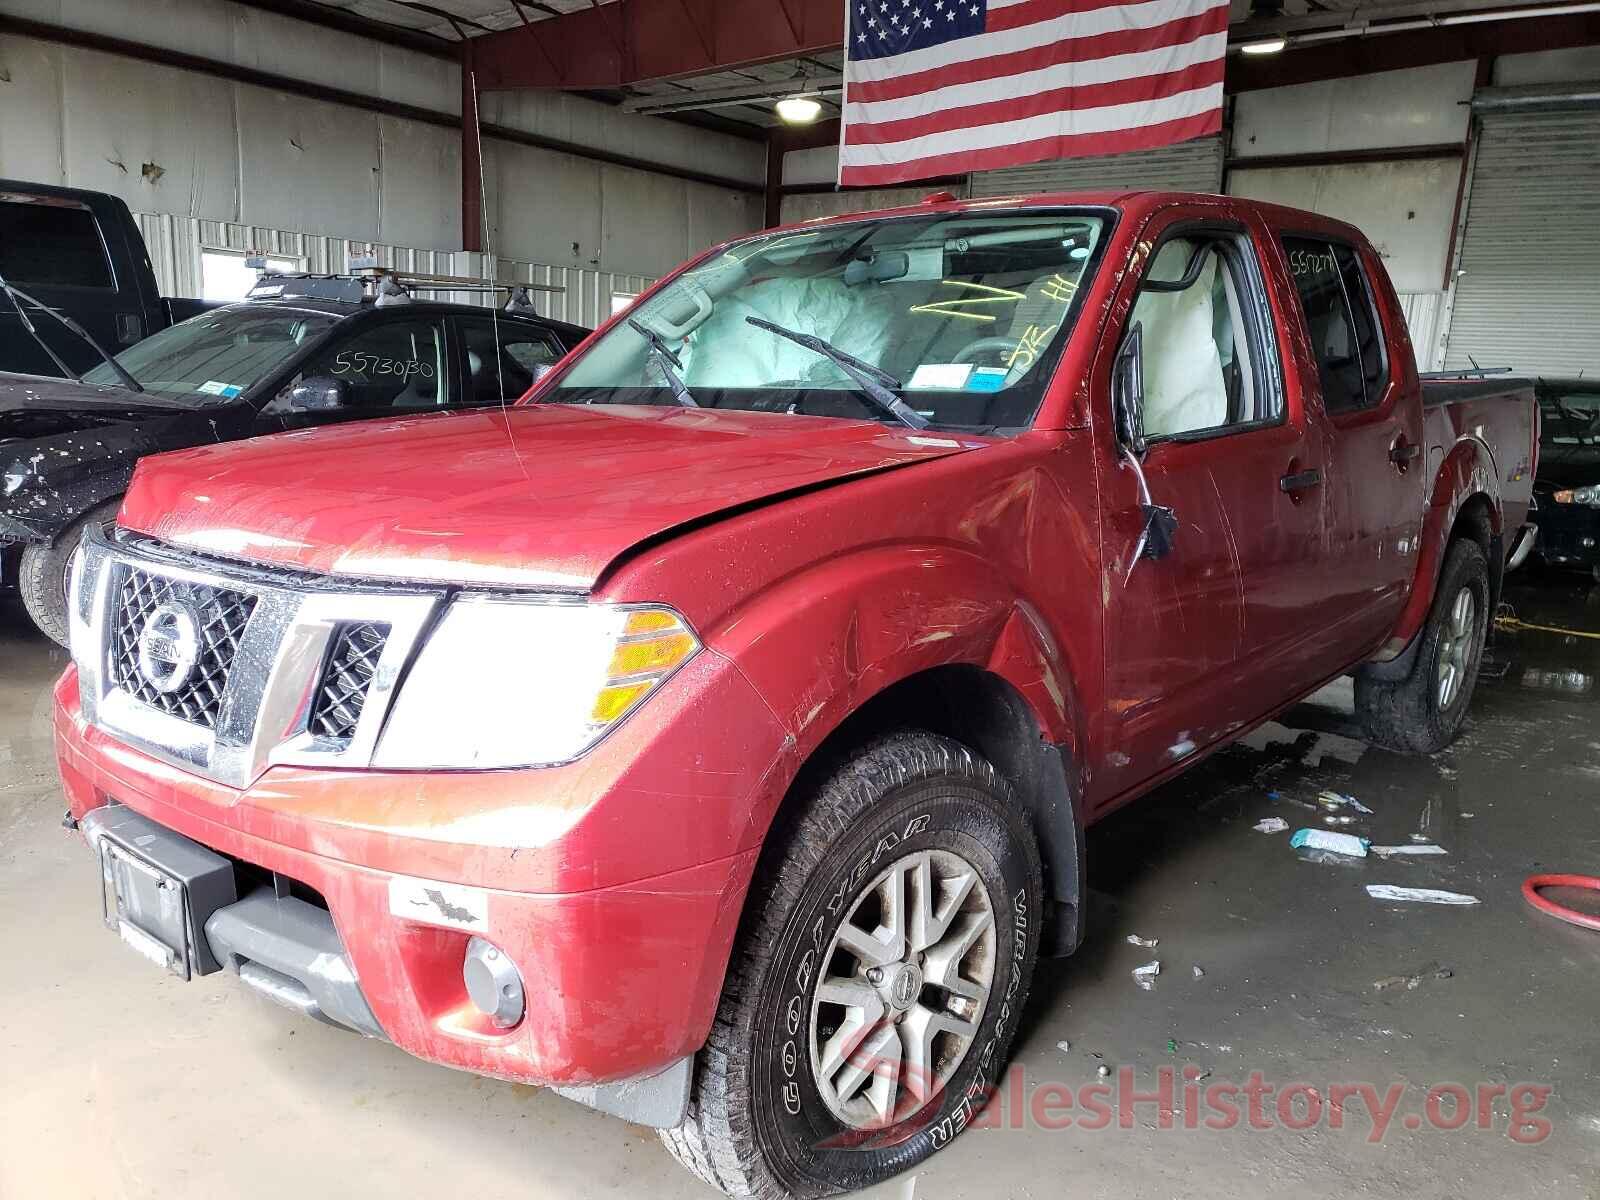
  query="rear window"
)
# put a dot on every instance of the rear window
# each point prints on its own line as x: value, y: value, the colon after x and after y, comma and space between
x: 51, y: 243
x: 1342, y: 322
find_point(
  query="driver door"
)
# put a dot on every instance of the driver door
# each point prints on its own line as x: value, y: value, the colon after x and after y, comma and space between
x: 1188, y: 634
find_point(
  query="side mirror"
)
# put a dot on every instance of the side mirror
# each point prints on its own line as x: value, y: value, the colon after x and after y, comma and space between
x: 1127, y: 392
x: 315, y: 393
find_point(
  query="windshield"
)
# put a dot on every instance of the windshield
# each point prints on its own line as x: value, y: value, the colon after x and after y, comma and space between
x: 215, y: 357
x: 961, y: 318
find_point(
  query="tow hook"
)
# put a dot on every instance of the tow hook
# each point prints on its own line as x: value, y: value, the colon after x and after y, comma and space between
x: 68, y: 821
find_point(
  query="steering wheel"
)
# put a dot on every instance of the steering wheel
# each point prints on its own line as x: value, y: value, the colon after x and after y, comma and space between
x: 985, y: 345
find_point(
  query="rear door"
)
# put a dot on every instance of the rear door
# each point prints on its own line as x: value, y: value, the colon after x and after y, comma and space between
x: 1377, y: 464
x: 73, y: 255
x: 1196, y: 640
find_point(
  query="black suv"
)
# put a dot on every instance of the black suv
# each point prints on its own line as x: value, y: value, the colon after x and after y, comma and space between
x: 68, y: 447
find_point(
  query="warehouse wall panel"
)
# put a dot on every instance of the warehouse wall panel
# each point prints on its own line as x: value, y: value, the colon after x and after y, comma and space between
x: 31, y: 134
x: 1404, y: 207
x: 118, y: 115
x: 419, y: 196
x: 253, y: 157
x: 307, y: 165
x: 1419, y: 106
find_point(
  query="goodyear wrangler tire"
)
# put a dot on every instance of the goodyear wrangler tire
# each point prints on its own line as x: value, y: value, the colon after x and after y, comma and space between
x: 880, y: 972
x: 1423, y: 713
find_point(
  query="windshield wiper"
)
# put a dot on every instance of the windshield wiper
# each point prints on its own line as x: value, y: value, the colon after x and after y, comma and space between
x: 669, y: 363
x: 16, y: 295
x: 874, y: 382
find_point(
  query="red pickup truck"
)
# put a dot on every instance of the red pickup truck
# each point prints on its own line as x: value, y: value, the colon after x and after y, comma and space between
x: 711, y: 736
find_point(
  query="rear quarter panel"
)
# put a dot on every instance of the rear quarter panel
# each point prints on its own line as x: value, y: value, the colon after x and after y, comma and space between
x: 1480, y: 439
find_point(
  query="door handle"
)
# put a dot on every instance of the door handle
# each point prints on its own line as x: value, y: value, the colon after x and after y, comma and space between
x: 1403, y: 452
x: 1300, y: 481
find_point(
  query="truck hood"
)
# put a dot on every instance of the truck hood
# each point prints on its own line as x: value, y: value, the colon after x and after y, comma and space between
x: 535, y: 496
x: 45, y: 394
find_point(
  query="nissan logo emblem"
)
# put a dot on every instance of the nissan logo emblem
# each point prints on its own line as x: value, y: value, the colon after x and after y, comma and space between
x: 169, y: 646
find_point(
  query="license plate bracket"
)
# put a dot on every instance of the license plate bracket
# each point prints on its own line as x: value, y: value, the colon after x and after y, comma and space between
x: 158, y: 888
x: 148, y: 908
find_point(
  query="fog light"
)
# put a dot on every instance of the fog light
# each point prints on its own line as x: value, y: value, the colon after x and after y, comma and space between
x: 493, y: 983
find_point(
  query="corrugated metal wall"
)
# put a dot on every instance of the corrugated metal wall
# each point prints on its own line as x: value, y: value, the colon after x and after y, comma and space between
x: 1422, y: 320
x: 1529, y: 295
x: 808, y: 206
x: 1194, y: 166
x: 176, y: 244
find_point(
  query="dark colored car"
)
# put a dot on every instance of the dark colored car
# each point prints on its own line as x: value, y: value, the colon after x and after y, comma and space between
x: 68, y: 447
x: 1568, y: 485
x: 82, y: 254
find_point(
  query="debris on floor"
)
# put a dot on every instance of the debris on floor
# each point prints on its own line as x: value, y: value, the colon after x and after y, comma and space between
x: 1064, y: 1046
x: 1388, y: 891
x: 1324, y: 839
x: 1199, y: 972
x: 1102, y: 1070
x: 1271, y: 825
x: 1391, y: 851
x: 1145, y: 976
x: 1412, y: 982
x: 1337, y: 800
x: 1135, y: 940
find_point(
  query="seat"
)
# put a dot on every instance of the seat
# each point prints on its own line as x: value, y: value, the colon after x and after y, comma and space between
x: 1185, y: 388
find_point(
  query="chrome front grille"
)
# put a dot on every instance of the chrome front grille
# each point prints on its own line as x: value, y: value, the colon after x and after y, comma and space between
x: 221, y: 615
x: 352, y: 663
x: 226, y: 669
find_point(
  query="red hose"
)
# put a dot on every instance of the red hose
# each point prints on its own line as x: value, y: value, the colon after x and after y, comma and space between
x: 1530, y: 893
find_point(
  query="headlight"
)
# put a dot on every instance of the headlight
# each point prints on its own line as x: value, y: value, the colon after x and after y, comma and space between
x: 1584, y: 495
x: 519, y: 683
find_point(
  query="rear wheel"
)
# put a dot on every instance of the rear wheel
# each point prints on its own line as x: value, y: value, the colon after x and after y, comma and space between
x: 42, y: 573
x: 1423, y: 712
x: 878, y: 979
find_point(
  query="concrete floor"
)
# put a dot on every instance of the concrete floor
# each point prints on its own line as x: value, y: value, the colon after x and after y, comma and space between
x: 116, y: 1081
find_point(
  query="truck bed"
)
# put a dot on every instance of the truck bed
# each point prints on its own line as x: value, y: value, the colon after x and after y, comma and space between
x: 1501, y: 414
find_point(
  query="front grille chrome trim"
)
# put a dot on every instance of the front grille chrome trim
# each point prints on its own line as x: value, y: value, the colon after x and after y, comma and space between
x: 264, y: 715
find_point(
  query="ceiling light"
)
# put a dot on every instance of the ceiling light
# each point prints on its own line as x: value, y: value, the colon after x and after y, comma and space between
x: 1271, y: 45
x: 798, y: 110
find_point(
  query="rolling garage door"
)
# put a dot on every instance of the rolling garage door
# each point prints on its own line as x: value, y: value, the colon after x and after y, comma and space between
x: 1530, y: 295
x: 1194, y: 166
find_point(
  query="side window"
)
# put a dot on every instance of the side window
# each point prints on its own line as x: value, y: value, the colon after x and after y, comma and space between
x: 397, y: 364
x: 1342, y: 322
x: 51, y: 243
x: 1197, y: 320
x: 523, y: 354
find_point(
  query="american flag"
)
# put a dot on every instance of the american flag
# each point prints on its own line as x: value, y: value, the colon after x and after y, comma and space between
x: 943, y: 87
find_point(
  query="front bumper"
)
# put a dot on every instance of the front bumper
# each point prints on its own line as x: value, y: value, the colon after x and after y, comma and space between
x: 622, y: 966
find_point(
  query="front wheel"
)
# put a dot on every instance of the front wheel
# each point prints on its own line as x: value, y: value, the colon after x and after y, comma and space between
x: 1423, y: 712
x: 878, y: 979
x: 42, y: 574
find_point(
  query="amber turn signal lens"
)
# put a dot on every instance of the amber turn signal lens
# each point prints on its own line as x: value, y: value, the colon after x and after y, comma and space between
x: 654, y: 643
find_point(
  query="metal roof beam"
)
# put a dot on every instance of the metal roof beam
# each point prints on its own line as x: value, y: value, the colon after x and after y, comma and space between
x: 632, y: 41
